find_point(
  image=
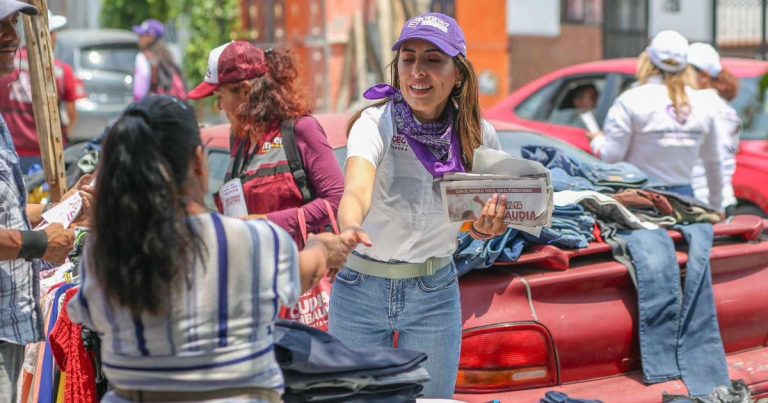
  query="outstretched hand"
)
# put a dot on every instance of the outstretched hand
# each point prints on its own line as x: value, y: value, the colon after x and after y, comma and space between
x: 351, y: 237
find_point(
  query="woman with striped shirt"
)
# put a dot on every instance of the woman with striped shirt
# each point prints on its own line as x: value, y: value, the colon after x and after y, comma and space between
x: 184, y: 299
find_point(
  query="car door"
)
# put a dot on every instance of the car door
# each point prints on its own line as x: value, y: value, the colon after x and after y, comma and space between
x: 552, y: 109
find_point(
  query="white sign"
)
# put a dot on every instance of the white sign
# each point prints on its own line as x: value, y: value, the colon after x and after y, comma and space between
x: 233, y: 199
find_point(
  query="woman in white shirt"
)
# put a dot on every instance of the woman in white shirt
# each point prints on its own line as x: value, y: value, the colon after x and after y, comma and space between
x: 404, y: 280
x: 722, y: 87
x: 662, y: 125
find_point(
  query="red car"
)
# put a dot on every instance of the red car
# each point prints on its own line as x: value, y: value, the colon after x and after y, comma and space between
x: 543, y: 105
x: 566, y: 319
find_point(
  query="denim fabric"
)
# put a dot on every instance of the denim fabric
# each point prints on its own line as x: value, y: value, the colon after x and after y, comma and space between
x: 658, y: 295
x: 600, y: 174
x: 365, y: 311
x: 737, y: 392
x: 560, y: 397
x: 306, y: 354
x: 566, y: 238
x: 700, y: 352
x: 620, y: 175
x: 682, y: 190
x: 679, y: 332
x: 474, y: 254
x: 572, y: 227
x: 561, y: 180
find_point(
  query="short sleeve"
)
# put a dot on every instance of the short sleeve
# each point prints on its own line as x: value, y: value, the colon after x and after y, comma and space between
x: 286, y: 263
x: 490, y: 138
x: 73, y: 88
x: 142, y: 77
x: 366, y: 140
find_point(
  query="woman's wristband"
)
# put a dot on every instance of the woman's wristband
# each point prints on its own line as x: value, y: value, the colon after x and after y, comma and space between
x: 33, y: 244
x: 480, y: 235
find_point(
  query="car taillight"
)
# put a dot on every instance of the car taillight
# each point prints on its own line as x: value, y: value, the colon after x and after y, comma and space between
x: 506, y: 357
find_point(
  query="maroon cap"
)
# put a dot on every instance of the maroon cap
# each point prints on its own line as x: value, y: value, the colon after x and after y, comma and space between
x: 230, y: 63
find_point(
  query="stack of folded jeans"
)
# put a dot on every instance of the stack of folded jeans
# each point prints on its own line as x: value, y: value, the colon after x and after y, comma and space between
x: 572, y: 227
x: 318, y: 368
x: 570, y: 174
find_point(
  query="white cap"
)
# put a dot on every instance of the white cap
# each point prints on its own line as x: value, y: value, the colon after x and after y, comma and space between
x: 56, y: 22
x: 668, y: 46
x: 705, y: 58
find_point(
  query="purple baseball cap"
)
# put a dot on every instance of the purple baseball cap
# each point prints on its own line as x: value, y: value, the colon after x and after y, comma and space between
x: 438, y: 29
x: 150, y: 27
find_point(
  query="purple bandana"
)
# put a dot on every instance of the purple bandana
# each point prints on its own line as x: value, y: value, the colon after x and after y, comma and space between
x: 435, y: 144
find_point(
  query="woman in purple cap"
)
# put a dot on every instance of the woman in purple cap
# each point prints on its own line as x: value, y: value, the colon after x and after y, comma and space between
x: 156, y: 72
x: 427, y: 124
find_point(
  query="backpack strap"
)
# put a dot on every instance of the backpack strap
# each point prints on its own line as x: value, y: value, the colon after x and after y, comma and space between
x: 287, y: 131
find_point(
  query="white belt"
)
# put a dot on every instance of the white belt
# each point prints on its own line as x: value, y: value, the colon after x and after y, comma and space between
x: 397, y: 270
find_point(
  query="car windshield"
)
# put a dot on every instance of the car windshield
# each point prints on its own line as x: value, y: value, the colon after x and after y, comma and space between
x: 513, y: 141
x: 114, y: 57
x: 751, y: 109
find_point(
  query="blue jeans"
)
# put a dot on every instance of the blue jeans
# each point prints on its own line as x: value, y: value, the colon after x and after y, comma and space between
x: 679, y: 332
x: 426, y: 311
x: 683, y: 190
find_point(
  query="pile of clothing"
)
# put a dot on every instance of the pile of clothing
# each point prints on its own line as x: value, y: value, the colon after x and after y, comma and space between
x: 621, y: 206
x: 318, y: 368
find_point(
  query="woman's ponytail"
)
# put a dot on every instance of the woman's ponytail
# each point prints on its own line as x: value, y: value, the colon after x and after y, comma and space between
x: 142, y: 240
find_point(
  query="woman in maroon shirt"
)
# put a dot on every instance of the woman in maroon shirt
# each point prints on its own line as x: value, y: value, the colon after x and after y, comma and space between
x: 258, y: 92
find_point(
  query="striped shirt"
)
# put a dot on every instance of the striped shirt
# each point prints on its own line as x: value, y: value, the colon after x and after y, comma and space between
x: 217, y: 332
x: 20, y: 316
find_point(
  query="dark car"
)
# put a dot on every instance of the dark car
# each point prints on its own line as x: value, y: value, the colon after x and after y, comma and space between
x: 104, y: 60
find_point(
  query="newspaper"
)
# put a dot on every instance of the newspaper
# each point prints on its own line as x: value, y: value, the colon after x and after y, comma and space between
x: 588, y: 118
x: 526, y: 184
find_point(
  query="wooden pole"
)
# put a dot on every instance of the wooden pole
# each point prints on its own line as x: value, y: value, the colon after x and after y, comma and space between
x: 45, y: 99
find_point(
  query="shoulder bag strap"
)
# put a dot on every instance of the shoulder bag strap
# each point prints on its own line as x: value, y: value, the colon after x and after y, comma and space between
x: 294, y: 159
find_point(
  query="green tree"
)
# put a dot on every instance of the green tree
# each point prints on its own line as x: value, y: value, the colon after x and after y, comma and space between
x: 211, y: 23
x: 124, y: 14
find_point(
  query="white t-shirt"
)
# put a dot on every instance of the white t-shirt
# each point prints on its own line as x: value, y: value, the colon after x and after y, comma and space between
x: 406, y: 221
x: 729, y: 144
x: 642, y: 128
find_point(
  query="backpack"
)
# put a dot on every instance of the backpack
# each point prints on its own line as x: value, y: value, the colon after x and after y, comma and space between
x: 166, y: 79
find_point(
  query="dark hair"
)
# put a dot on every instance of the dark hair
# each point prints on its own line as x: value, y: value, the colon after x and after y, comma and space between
x: 163, y: 55
x: 575, y: 93
x: 142, y: 241
x: 272, y: 98
x: 466, y: 96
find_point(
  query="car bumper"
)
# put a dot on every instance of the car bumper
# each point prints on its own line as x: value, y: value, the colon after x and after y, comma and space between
x: 750, y: 366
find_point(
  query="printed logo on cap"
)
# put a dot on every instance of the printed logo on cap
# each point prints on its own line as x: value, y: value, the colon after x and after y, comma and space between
x: 429, y: 20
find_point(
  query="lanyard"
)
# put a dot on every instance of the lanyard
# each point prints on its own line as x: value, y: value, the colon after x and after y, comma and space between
x: 237, y: 168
